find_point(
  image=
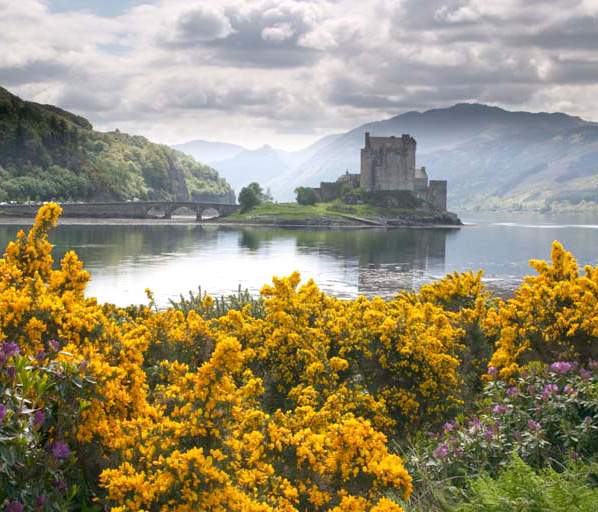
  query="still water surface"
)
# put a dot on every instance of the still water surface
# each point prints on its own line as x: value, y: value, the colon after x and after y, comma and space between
x: 173, y: 258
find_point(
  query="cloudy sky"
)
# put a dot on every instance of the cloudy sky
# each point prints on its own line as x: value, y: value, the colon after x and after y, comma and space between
x: 286, y: 72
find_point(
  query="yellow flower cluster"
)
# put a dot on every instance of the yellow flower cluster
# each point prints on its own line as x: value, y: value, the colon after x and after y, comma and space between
x: 238, y: 413
x: 553, y: 315
x: 290, y: 409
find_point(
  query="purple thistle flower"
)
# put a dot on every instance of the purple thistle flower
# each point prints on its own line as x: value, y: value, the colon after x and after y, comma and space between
x: 11, y: 373
x: 3, y: 359
x: 587, y: 420
x: 60, y: 450
x: 10, y: 349
x: 517, y: 436
x: 549, y: 389
x: 585, y: 374
x: 441, y: 452
x: 83, y: 365
x: 2, y: 413
x: 488, y: 435
x: 534, y: 425
x: 531, y: 389
x: 40, y: 502
x: 561, y: 367
x: 54, y: 345
x: 61, y: 486
x: 568, y: 388
x: 499, y: 409
x: 476, y: 425
x: 14, y: 506
x: 38, y: 419
x: 41, y: 355
x: 512, y: 391
x: 449, y: 426
x: 492, y: 371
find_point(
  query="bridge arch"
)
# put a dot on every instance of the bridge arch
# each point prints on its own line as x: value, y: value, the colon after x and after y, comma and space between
x: 210, y: 212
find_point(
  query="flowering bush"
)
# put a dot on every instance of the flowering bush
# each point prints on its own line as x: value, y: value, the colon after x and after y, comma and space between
x: 190, y: 412
x: 553, y: 316
x: 547, y: 414
x: 41, y: 401
x: 284, y: 403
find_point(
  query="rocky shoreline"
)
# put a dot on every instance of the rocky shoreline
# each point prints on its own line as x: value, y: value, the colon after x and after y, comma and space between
x: 432, y: 220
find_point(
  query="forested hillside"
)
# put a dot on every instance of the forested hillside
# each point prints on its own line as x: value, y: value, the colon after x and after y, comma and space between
x: 48, y: 153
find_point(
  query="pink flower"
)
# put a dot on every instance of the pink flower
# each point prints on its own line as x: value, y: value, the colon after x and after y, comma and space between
x: 14, y: 506
x: 499, y: 409
x: 10, y: 349
x: 492, y: 371
x: 38, y: 419
x: 441, y: 452
x: 60, y: 450
x: 534, y: 425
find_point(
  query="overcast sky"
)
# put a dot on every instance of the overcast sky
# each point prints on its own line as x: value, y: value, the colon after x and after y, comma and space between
x: 286, y: 72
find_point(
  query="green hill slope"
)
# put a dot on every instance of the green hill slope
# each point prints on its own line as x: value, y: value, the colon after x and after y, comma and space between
x: 48, y: 153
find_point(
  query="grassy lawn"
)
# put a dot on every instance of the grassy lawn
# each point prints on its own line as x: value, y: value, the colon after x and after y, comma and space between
x: 333, y: 209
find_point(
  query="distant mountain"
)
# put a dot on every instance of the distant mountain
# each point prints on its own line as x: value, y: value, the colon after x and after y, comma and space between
x: 260, y: 165
x: 49, y: 153
x: 206, y: 152
x: 492, y: 158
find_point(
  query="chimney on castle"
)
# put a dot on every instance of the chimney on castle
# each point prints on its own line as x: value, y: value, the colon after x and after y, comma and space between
x: 367, y: 140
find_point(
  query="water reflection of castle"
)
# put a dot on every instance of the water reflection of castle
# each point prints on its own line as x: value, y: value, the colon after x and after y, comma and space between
x: 367, y: 261
x: 403, y: 260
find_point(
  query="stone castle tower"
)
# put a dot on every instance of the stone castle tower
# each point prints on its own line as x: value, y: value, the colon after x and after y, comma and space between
x: 388, y: 163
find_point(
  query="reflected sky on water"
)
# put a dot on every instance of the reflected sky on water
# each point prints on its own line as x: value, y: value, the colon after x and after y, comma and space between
x: 173, y: 258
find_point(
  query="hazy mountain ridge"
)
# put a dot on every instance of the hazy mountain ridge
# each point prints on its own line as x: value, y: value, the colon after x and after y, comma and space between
x: 49, y: 153
x: 492, y: 158
x: 209, y: 151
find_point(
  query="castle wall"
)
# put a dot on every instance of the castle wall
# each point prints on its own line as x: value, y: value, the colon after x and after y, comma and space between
x: 437, y: 194
x: 388, y: 163
x: 329, y: 191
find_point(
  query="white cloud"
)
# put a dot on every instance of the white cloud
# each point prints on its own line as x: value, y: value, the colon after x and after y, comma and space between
x: 297, y: 68
x: 278, y: 32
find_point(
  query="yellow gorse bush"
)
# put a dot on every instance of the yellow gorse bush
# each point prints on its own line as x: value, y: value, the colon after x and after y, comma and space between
x: 184, y: 415
x: 290, y: 410
x: 553, y: 316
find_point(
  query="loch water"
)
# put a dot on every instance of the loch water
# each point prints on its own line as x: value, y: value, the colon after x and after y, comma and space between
x: 172, y: 258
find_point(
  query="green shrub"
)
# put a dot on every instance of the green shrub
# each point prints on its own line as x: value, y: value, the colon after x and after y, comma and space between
x: 547, y: 414
x: 307, y: 196
x: 519, y: 488
x: 40, y: 402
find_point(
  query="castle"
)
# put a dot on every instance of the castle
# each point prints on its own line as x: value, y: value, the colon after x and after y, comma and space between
x: 388, y: 163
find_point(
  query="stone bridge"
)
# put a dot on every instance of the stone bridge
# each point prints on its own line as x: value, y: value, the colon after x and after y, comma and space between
x: 122, y: 210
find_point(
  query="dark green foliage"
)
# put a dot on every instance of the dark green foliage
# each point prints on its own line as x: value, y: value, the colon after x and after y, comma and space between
x: 47, y: 153
x: 307, y: 196
x: 575, y: 197
x: 219, y: 306
x: 392, y: 199
x: 41, y: 404
x: 252, y: 195
x: 546, y: 416
x: 519, y: 488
